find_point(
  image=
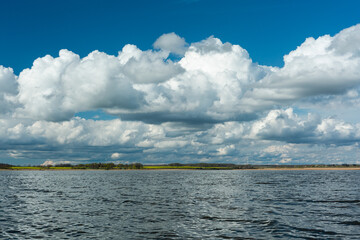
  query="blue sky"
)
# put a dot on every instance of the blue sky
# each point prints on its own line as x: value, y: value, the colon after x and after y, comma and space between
x: 179, y: 81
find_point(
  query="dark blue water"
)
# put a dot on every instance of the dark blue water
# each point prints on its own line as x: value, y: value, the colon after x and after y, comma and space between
x: 180, y: 204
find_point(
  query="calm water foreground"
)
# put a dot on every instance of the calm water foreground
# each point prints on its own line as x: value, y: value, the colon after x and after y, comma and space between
x: 180, y: 204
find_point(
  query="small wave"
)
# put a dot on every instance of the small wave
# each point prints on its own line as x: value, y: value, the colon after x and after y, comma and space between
x: 265, y: 183
x: 247, y: 221
x: 350, y: 223
x: 229, y: 237
x: 314, y: 230
x: 131, y: 201
x: 337, y: 201
x: 209, y: 218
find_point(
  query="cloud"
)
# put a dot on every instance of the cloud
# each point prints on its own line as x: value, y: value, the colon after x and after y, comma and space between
x: 282, y: 152
x: 278, y: 149
x: 285, y: 160
x: 54, y: 163
x: 281, y: 125
x: 225, y: 150
x: 172, y: 43
x: 116, y: 155
x: 15, y: 154
x: 94, y: 133
x: 8, y: 88
x: 48, y: 163
x: 213, y: 82
x: 7, y: 81
x: 337, y: 131
x: 284, y: 125
x: 319, y: 67
x: 147, y: 66
x: 215, y: 77
x: 213, y: 103
x: 97, y: 140
x: 56, y: 88
x: 204, y: 86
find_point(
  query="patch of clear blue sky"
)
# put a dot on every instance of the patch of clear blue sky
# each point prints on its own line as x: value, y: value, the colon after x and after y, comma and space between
x: 267, y: 29
x: 95, y: 115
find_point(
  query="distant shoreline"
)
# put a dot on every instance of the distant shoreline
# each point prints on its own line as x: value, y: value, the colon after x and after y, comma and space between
x: 189, y: 169
x: 305, y: 168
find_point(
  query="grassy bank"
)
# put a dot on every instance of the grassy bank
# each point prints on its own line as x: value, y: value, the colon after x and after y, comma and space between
x: 186, y: 167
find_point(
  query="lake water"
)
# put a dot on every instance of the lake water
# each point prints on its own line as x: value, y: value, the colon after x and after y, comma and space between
x: 180, y: 204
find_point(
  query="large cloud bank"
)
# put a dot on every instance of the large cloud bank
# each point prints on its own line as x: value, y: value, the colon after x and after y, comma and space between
x: 208, y: 103
x: 213, y: 81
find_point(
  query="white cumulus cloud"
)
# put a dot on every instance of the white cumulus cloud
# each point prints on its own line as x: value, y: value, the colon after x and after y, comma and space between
x: 116, y: 155
x: 319, y: 67
x: 212, y: 82
x: 8, y: 88
x: 172, y: 43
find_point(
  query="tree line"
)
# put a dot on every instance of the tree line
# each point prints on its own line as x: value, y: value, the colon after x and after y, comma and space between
x: 106, y: 166
x: 103, y: 166
x: 5, y: 166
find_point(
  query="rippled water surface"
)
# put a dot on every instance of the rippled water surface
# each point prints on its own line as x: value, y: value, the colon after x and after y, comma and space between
x: 179, y: 204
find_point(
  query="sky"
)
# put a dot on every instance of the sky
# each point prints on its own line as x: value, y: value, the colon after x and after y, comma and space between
x: 187, y: 81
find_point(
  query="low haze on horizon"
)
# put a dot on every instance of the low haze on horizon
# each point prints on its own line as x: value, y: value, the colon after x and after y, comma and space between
x: 180, y: 81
